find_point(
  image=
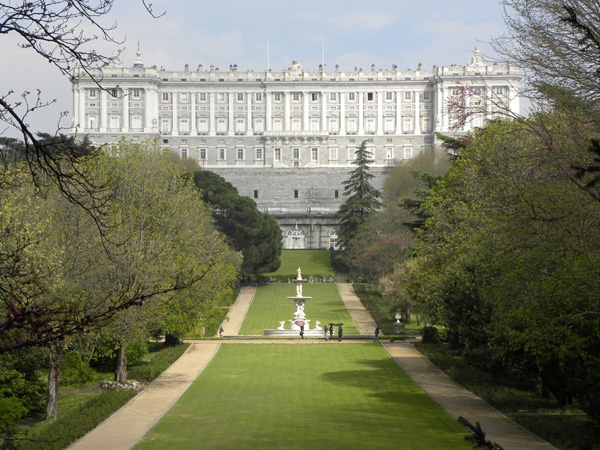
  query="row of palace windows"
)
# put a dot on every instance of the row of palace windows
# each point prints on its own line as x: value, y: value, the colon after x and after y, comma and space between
x: 296, y: 193
x: 277, y: 124
x: 222, y: 124
x: 221, y: 97
x: 296, y: 154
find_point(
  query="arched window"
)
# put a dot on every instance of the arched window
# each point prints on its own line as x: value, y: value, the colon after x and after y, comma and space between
x: 295, y: 239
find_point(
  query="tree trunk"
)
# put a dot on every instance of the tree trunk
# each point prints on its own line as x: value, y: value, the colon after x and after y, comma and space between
x: 171, y: 339
x: 52, y: 398
x: 121, y: 367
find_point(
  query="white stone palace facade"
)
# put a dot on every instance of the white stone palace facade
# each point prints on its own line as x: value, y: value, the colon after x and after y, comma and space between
x: 287, y: 139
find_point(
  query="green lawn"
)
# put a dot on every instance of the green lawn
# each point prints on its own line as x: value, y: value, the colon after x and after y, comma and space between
x: 278, y: 396
x: 270, y: 306
x: 312, y: 262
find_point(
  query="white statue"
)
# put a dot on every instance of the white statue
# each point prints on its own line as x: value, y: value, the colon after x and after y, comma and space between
x: 281, y: 325
x: 299, y: 277
x: 299, y: 290
x: 317, y: 325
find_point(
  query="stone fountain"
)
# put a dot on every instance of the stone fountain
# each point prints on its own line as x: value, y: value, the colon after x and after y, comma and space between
x: 299, y: 318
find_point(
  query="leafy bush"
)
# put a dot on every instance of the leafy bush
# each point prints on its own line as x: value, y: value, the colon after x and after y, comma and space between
x: 74, y: 370
x: 429, y: 335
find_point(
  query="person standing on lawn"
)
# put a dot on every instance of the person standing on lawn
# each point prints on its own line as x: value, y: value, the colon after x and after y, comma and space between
x: 331, y: 332
x: 325, y: 331
x: 377, y: 330
x: 340, y: 332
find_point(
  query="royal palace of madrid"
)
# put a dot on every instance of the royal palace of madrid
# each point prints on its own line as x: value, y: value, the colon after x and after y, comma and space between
x: 287, y: 139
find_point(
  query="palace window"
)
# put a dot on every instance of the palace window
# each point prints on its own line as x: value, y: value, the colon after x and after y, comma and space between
x: 314, y: 96
x: 296, y: 124
x: 277, y: 96
x: 165, y: 96
x: 203, y: 154
x: 258, y: 96
x: 222, y: 154
x: 114, y: 121
x: 389, y: 153
x: 92, y: 122
x: 255, y: 193
x: 202, y: 96
x: 389, y: 96
x: 277, y: 154
x: 388, y: 124
x: 277, y: 124
x: 114, y: 92
x: 351, y: 153
x: 184, y: 153
x: 333, y: 153
x: 92, y: 93
x: 295, y: 153
x: 295, y: 193
x: 407, y: 125
x: 165, y: 125
x: 314, y: 124
x: 333, y: 125
x: 370, y: 96
x: 314, y: 154
x: 408, y: 152
x: 221, y: 125
x: 202, y: 125
x: 370, y: 125
x: 426, y: 95
x: 240, y: 96
x: 351, y: 126
x: 332, y: 97
x: 184, y: 125
x: 136, y: 93
x: 240, y: 153
x: 183, y: 97
x: 295, y: 96
x: 136, y: 121
x: 240, y: 125
x: 259, y: 125
x: 259, y: 154
x: 221, y: 97
x: 351, y: 96
x: 408, y: 95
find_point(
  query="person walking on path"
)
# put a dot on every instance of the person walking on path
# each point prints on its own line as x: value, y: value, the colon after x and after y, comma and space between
x: 325, y: 332
x: 340, y: 332
x: 331, y: 332
x: 377, y: 330
x: 221, y: 332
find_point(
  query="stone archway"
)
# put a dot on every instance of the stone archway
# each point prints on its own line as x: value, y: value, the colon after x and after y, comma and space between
x: 295, y: 239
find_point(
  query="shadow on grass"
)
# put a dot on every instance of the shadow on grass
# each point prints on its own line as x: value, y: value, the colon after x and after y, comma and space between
x: 380, y: 377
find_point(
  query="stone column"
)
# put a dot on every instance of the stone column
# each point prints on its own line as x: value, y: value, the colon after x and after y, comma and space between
x: 286, y: 111
x: 305, y: 110
x: 230, y: 115
x: 417, y: 113
x: 211, y: 114
x: 103, y: 110
x: 249, y: 130
x: 125, y: 111
x: 398, y: 112
x: 76, y: 114
x: 342, y: 126
x: 268, y: 115
x: 323, y: 111
x: 193, y: 125
x: 174, y: 125
x: 81, y: 121
x: 380, y: 113
x: 361, y: 122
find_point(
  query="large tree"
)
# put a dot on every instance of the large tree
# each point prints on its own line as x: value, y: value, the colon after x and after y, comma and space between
x: 362, y: 198
x: 255, y: 234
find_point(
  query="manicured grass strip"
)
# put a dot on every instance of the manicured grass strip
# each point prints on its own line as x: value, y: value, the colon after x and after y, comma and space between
x: 312, y: 262
x: 270, y: 306
x: 277, y: 396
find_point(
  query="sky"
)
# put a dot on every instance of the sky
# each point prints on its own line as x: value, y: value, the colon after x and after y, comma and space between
x: 251, y: 34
